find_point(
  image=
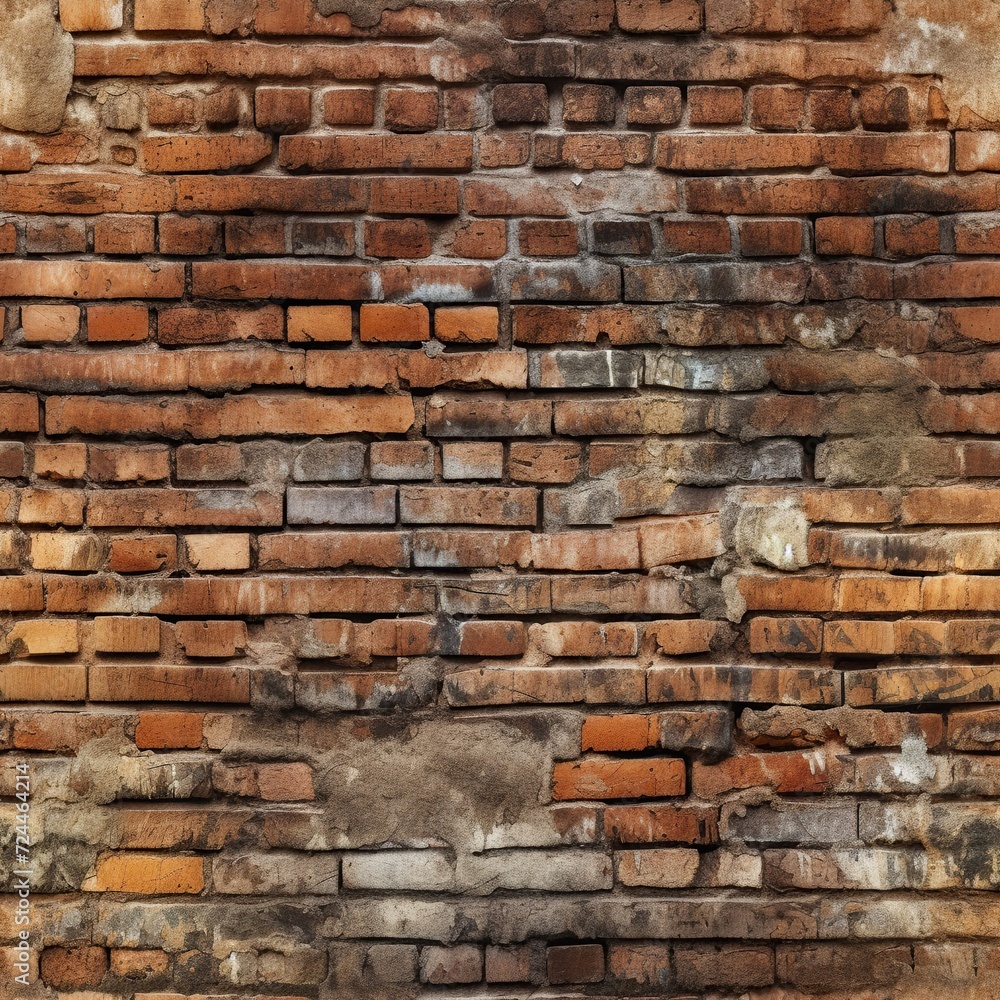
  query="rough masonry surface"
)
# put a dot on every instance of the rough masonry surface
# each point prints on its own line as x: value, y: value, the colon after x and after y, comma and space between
x: 500, y: 500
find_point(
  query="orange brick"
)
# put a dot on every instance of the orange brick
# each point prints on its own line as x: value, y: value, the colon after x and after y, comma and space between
x: 620, y: 732
x: 319, y: 323
x: 139, y: 963
x: 117, y: 324
x: 133, y: 235
x: 50, y: 324
x: 467, y: 324
x: 169, y: 15
x: 681, y: 638
x: 168, y: 731
x: 212, y: 552
x: 40, y: 682
x: 61, y: 461
x: 803, y: 636
x: 119, y: 464
x: 217, y: 640
x: 43, y: 638
x: 859, y: 637
x: 126, y: 635
x: 90, y: 15
x: 585, y: 639
x: 147, y: 874
x: 388, y: 323
x: 618, y: 779
x: 114, y: 683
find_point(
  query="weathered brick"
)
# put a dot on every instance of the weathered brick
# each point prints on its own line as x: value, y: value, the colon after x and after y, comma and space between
x: 233, y: 416
x: 147, y: 874
x: 363, y: 152
x: 515, y: 103
x: 282, y: 109
x: 618, y: 779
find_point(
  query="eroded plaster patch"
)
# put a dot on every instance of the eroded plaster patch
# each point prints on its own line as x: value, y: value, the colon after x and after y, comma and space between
x: 36, y: 66
x: 956, y: 42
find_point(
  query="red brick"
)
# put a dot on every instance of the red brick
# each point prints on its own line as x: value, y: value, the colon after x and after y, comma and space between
x: 194, y: 234
x: 143, y: 555
x: 575, y: 963
x: 832, y: 109
x: 912, y: 236
x: 700, y: 236
x: 713, y: 105
x: 282, y: 109
x: 186, y: 325
x: 411, y: 109
x: 845, y: 235
x: 589, y: 104
x: 414, y: 196
x: 810, y: 772
x: 370, y: 152
x: 885, y: 107
x: 618, y: 779
x: 407, y: 238
x: 196, y: 154
x: 133, y: 235
x: 770, y: 238
x: 255, y: 236
x: 516, y: 103
x: 648, y: 16
x: 858, y: 17
x: 653, y: 105
x: 55, y: 236
x: 662, y: 824
x: 349, y: 106
x: 271, y: 782
x: 778, y: 107
x: 504, y: 149
x: 73, y: 968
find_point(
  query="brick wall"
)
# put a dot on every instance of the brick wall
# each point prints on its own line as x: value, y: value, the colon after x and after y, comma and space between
x: 498, y: 499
